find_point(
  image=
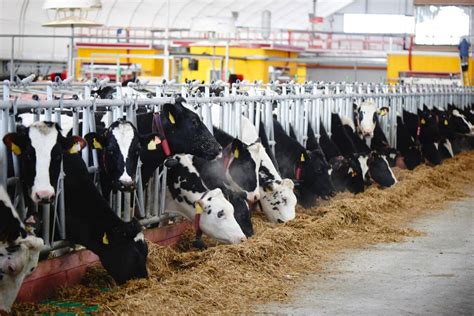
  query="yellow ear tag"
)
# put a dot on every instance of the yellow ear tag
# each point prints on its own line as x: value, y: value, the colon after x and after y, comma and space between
x: 382, y: 112
x: 423, y: 122
x: 236, y: 153
x: 354, y: 173
x: 75, y: 148
x: 268, y: 189
x: 445, y: 122
x: 105, y: 239
x: 152, y: 145
x: 15, y: 149
x: 96, y: 144
x: 302, y: 158
x: 171, y: 117
x: 198, y: 208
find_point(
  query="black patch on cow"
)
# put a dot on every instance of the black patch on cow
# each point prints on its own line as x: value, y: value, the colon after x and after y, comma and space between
x: 10, y: 226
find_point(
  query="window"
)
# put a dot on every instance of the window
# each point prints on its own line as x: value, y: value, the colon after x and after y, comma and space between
x: 441, y: 25
x: 379, y: 23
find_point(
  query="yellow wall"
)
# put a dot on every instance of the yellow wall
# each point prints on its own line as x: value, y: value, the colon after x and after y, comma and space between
x: 150, y: 67
x: 250, y: 69
x: 429, y: 63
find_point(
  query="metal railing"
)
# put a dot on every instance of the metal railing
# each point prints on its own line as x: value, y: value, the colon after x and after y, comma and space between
x: 294, y: 104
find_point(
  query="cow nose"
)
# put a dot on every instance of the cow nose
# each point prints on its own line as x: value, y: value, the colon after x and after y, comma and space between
x: 44, y: 196
x: 128, y: 184
x: 243, y: 239
x: 11, y: 268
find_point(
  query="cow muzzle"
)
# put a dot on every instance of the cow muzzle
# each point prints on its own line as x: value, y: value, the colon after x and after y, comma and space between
x: 43, y: 196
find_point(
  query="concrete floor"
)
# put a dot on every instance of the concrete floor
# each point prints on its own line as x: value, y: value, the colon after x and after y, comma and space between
x: 431, y: 275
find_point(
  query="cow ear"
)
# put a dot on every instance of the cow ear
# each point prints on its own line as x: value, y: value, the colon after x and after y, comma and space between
x: 151, y: 141
x: 237, y: 148
x: 355, y: 106
x: 73, y: 144
x: 383, y: 111
x: 14, y: 142
x: 95, y: 141
x: 173, y: 111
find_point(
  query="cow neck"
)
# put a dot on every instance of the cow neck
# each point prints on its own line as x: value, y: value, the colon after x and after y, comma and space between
x: 157, y: 127
x: 299, y: 169
x: 197, y: 216
x: 227, y: 157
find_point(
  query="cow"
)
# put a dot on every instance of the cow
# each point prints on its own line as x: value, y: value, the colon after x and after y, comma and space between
x: 119, y: 148
x: 327, y: 188
x: 19, y: 252
x: 277, y: 199
x: 240, y: 164
x: 344, y: 170
x: 42, y: 150
x: 424, y: 128
x: 309, y: 169
x: 374, y: 165
x: 407, y: 146
x: 366, y: 117
x: 183, y: 131
x: 209, y: 210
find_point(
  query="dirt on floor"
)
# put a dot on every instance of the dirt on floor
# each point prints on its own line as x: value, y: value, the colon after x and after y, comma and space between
x: 234, y: 278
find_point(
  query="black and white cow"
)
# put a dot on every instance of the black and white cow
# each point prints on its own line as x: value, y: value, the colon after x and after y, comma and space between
x: 277, y: 199
x: 309, y: 169
x: 91, y: 222
x: 19, y: 252
x: 240, y: 164
x: 188, y: 195
x: 326, y: 188
x: 407, y: 146
x: 424, y: 128
x: 345, y: 171
x: 373, y: 165
x: 366, y: 117
x: 119, y: 148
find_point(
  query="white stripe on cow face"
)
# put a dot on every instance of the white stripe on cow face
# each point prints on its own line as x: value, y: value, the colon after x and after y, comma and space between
x: 124, y: 134
x: 43, y: 138
x: 390, y: 169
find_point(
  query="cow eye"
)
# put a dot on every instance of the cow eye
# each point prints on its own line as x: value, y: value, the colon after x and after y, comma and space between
x: 195, y: 122
x: 220, y: 214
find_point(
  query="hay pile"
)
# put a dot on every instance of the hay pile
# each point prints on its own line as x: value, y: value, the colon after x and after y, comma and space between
x: 234, y: 278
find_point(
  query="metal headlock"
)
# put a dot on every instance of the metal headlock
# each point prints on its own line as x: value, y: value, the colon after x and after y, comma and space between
x: 295, y: 105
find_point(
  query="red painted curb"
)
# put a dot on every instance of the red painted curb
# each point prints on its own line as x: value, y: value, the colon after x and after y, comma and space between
x: 68, y: 270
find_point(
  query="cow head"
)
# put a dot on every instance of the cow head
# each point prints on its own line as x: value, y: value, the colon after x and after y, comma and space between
x: 40, y: 148
x: 123, y: 251
x: 366, y: 116
x: 380, y: 171
x: 242, y: 170
x: 315, y: 178
x: 241, y: 210
x: 428, y: 125
x: 186, y: 133
x: 19, y: 252
x: 119, y: 147
x: 217, y: 218
x: 354, y: 176
x: 322, y: 184
x: 278, y: 201
x: 459, y: 123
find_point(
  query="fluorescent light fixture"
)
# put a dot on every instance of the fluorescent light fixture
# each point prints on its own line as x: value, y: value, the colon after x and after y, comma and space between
x: 379, y: 23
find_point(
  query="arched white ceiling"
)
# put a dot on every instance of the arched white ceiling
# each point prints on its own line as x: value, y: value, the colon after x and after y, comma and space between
x: 27, y: 16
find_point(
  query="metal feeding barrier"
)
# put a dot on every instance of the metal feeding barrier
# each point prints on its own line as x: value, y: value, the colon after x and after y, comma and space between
x: 295, y: 105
